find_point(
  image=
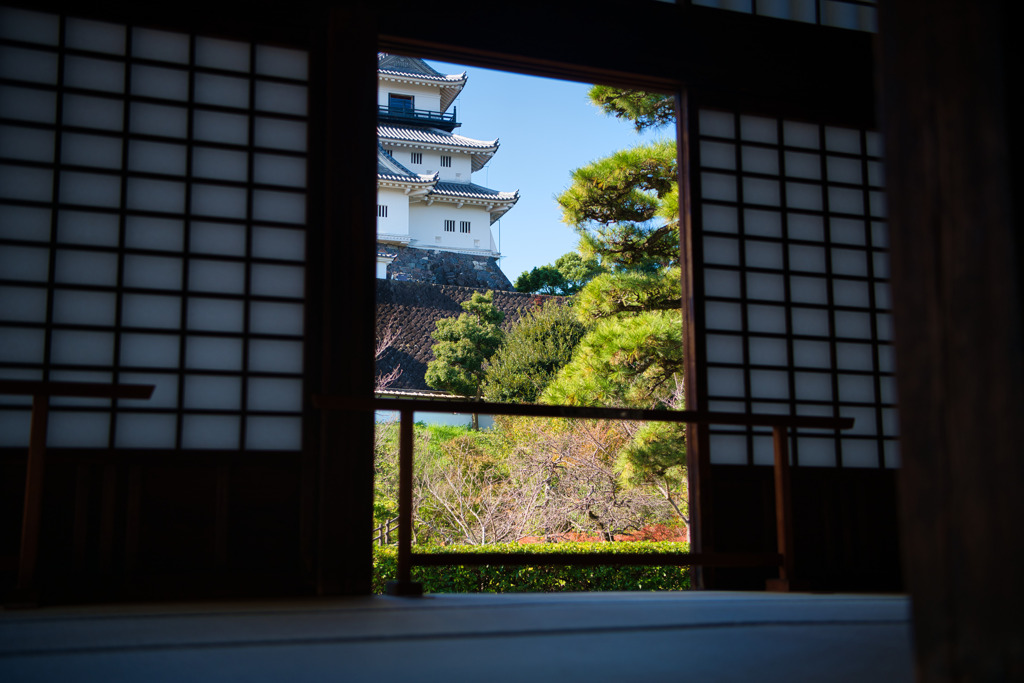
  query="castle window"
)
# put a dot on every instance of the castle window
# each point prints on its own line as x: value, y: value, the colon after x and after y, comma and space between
x: 382, y: 211
x: 464, y: 227
x: 446, y: 162
x: 417, y: 157
x: 399, y: 102
x: 449, y: 226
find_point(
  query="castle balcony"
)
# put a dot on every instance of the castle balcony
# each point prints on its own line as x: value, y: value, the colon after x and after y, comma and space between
x: 405, y: 116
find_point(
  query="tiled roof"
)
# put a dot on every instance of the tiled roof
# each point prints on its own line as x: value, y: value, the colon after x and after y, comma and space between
x: 472, y: 191
x: 413, y: 66
x: 414, y: 309
x: 388, y: 168
x: 433, y: 136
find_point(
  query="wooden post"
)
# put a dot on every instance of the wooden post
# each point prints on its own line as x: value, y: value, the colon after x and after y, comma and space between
x: 34, y: 473
x: 783, y: 512
x: 404, y: 585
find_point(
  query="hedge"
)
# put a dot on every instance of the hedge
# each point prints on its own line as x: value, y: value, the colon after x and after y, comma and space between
x: 539, y: 578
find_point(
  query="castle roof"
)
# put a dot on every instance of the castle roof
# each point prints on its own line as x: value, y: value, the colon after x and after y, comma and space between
x: 480, y: 150
x: 400, y: 68
x: 388, y: 168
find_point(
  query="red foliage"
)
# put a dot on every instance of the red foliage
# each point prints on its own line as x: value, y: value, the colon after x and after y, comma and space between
x: 652, y: 532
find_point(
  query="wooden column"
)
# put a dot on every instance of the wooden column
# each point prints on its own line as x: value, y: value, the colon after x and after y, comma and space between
x: 950, y: 71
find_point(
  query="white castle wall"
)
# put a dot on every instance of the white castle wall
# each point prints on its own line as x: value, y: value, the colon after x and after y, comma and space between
x: 426, y: 226
x: 397, y: 221
x: 424, y: 97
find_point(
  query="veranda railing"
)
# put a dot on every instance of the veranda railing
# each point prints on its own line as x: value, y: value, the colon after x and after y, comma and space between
x: 779, y: 424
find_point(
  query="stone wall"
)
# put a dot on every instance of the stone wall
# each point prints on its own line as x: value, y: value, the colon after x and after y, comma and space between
x: 445, y: 268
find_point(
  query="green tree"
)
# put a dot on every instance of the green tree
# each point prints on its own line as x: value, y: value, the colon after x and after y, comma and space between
x: 535, y: 348
x: 464, y: 344
x: 566, y: 277
x: 644, y: 109
x: 541, y: 280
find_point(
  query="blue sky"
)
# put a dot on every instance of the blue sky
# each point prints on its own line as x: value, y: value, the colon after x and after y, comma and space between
x: 546, y: 128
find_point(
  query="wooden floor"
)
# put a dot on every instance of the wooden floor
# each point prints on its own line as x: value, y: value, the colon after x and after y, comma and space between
x: 590, y: 637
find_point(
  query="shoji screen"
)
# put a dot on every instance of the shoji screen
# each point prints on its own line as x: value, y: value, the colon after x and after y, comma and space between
x: 795, y: 271
x: 860, y: 15
x: 152, y: 213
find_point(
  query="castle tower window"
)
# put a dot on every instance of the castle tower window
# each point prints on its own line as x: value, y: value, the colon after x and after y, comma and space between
x: 400, y: 102
x: 464, y: 227
x: 446, y: 161
x: 417, y: 157
x: 382, y: 211
x: 449, y: 226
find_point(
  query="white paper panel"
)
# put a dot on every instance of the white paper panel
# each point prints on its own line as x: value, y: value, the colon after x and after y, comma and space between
x: 95, y: 36
x: 803, y: 165
x: 286, y: 281
x: 726, y: 406
x: 143, y: 232
x: 27, y: 105
x: 91, y: 150
x: 845, y: 200
x: 768, y: 351
x: 81, y: 376
x: 142, y: 430
x: 93, y: 112
x: 273, y: 394
x: 723, y: 316
x: 24, y: 223
x: 22, y: 304
x: 880, y: 262
x: 850, y: 262
x: 33, y: 66
x: 864, y: 420
x: 275, y: 318
x: 86, y: 267
x: 77, y: 307
x: 278, y: 243
x: 158, y: 82
x: 856, y: 389
x: 808, y: 290
x: 278, y: 134
x: 761, y: 318
x: 803, y: 196
x: 758, y: 129
x: 221, y: 127
x: 816, y: 451
x: 760, y: 160
x: 721, y: 250
x: 221, y: 315
x: 279, y: 61
x: 717, y: 123
x: 805, y: 227
x: 222, y: 164
x: 17, y: 142
x: 726, y: 382
x: 763, y: 447
x: 78, y: 430
x: 720, y: 218
x: 886, y: 358
x: 21, y: 345
x: 145, y: 194
x: 769, y: 384
x: 157, y: 119
x: 766, y: 286
x: 281, y: 97
x: 216, y: 393
x: 842, y: 140
x: 14, y: 424
x: 844, y: 170
x: 272, y: 355
x: 214, y: 200
x: 90, y: 189
x: 76, y: 347
x: 160, y: 45
x: 216, y: 276
x: 763, y: 254
x: 213, y: 353
x: 165, y: 390
x: 274, y: 169
x: 761, y: 191
x: 812, y: 354
x: 758, y: 222
x: 860, y: 453
x: 149, y: 350
x: 723, y: 283
x: 847, y: 231
x: 887, y: 389
x: 717, y: 155
x: 33, y: 27
x: 273, y: 433
x: 724, y: 348
x: 718, y: 186
x: 883, y: 321
x: 851, y: 293
x: 222, y: 54
x: 29, y: 264
x: 210, y: 431
x: 283, y: 207
x: 217, y: 238
x: 728, y: 449
x: 890, y: 422
x: 94, y: 74
x: 152, y: 272
x: 852, y: 324
x: 19, y: 182
x: 223, y: 91
x: 798, y: 134
x: 147, y: 310
x: 855, y: 356
x: 876, y: 174
x: 157, y: 157
x: 810, y: 321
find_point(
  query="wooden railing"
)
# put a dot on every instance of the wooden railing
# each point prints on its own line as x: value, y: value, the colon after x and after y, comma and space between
x: 36, y: 464
x: 779, y: 424
x: 384, y: 533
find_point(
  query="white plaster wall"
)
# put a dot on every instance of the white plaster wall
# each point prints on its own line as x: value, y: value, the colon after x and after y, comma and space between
x: 424, y: 97
x: 461, y: 170
x: 397, y: 222
x: 426, y: 224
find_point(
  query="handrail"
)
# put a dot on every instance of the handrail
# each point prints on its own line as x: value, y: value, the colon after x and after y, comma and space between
x: 406, y: 407
x: 41, y: 391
